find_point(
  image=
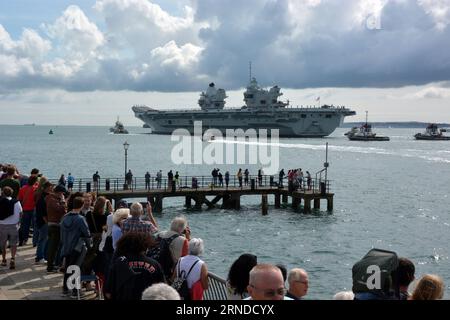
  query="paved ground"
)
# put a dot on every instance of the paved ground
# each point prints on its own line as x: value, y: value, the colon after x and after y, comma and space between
x: 30, y: 281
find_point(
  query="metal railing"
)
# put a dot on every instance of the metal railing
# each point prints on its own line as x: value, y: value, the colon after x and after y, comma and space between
x: 140, y: 184
x: 217, y: 288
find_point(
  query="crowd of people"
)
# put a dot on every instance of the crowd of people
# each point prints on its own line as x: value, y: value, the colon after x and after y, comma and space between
x: 132, y: 258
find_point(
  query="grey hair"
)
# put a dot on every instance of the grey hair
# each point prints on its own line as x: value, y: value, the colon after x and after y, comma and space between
x: 160, y: 291
x: 178, y: 224
x: 344, y: 295
x: 196, y: 247
x: 136, y: 209
x: 296, y: 274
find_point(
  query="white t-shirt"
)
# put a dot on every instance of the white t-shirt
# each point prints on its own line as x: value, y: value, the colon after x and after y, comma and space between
x: 186, y: 263
x: 15, y: 218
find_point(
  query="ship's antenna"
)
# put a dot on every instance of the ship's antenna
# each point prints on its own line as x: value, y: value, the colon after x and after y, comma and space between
x: 250, y: 71
x: 366, y: 116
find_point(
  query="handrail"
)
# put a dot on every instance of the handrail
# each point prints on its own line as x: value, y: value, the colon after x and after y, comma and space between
x: 217, y: 288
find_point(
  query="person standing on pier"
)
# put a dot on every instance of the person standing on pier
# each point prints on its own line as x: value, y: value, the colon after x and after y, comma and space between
x: 87, y: 204
x: 280, y: 178
x: 96, y: 180
x: 177, y: 179
x: 300, y: 178
x: 220, y: 179
x: 169, y: 179
x: 178, y: 243
x: 214, y: 176
x: 239, y: 176
x: 195, y: 269
x: 308, y: 180
x: 26, y: 198
x: 10, y: 210
x: 73, y: 228
x: 70, y: 181
x: 62, y: 180
x: 41, y: 223
x: 56, y: 209
x: 11, y: 181
x: 260, y: 177
x: 147, y: 181
x: 227, y: 178
x: 136, y: 223
x: 246, y: 173
x: 129, y: 178
x: 158, y: 179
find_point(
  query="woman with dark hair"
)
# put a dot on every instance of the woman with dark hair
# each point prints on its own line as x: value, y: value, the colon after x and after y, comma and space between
x: 62, y: 180
x: 238, y: 276
x: 96, y: 220
x: 132, y: 271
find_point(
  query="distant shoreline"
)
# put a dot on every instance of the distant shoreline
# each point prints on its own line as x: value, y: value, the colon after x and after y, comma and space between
x: 407, y: 124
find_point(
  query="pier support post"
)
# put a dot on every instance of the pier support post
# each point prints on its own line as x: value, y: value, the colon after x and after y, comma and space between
x: 226, y: 201
x: 236, y: 200
x: 198, y: 202
x: 264, y: 205
x: 284, y: 198
x: 158, y: 207
x: 317, y: 203
x: 295, y: 202
x: 277, y: 200
x: 188, y: 203
x: 330, y: 203
x: 307, y: 206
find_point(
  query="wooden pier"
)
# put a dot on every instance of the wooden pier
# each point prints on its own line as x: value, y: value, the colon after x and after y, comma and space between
x: 210, y: 194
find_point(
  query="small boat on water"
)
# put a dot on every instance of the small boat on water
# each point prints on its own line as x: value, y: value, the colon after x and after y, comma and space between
x: 432, y: 132
x: 365, y: 133
x: 50, y: 132
x: 118, y: 128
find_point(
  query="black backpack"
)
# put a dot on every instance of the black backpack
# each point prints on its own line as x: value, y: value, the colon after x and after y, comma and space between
x: 161, y: 253
x: 180, y: 282
x: 6, y: 207
x: 364, y: 274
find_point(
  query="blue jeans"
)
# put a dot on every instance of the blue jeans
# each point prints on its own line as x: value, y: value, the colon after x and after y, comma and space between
x: 25, y: 224
x: 41, y: 249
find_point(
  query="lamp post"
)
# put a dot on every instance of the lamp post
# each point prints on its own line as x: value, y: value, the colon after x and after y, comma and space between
x: 126, y: 145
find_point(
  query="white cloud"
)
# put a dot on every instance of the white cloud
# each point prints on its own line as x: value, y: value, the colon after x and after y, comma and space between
x: 439, y: 9
x: 294, y: 43
x: 79, y: 38
x: 432, y: 93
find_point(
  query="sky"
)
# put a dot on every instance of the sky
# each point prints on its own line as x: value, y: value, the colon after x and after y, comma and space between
x: 86, y: 62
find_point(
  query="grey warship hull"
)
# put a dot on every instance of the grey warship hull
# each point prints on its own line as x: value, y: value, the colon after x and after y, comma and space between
x: 291, y: 122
